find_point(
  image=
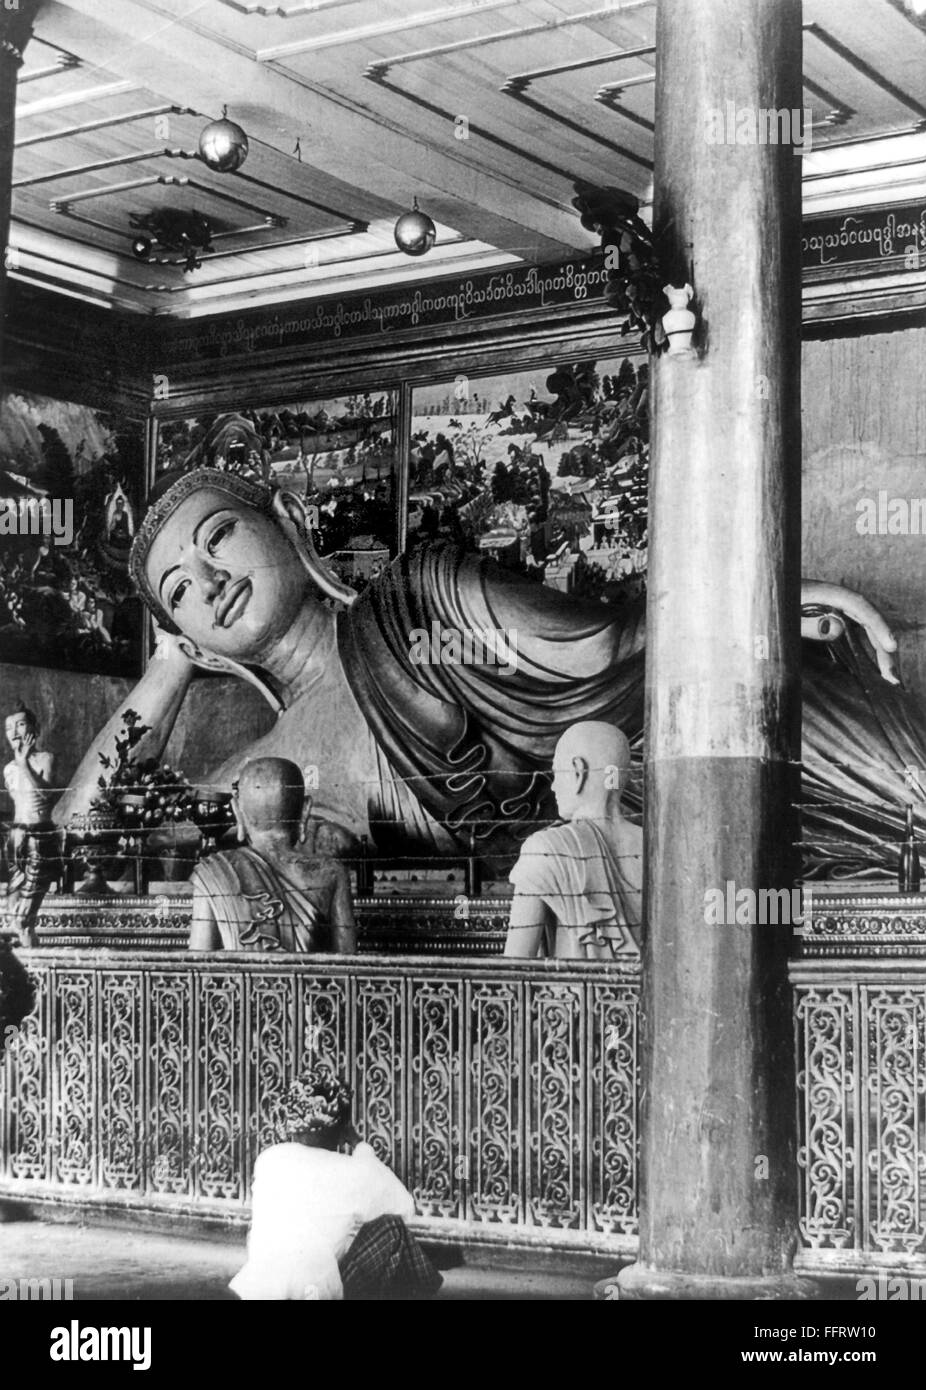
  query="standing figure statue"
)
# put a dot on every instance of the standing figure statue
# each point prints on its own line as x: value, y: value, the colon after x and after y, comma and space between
x: 34, y: 851
x: 578, y: 886
x: 270, y: 895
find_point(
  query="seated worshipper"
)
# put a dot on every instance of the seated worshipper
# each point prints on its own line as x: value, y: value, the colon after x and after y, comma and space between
x: 327, y: 1225
x: 578, y: 886
x: 270, y: 895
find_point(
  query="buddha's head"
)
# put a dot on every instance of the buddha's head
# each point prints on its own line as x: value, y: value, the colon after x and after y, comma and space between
x: 228, y: 563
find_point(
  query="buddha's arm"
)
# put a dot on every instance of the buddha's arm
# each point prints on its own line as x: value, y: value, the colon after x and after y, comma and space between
x: 156, y: 699
x: 343, y: 927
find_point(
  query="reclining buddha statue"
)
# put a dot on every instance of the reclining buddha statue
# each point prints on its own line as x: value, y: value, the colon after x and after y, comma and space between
x: 421, y: 757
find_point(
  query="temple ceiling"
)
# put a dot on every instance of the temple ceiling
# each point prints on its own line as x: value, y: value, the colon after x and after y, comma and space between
x: 486, y: 111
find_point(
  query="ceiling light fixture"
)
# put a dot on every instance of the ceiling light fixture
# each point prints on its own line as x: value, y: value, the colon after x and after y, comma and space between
x: 223, y: 145
x: 415, y: 233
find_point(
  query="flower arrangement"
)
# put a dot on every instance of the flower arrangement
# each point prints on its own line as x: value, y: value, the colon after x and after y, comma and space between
x: 143, y: 795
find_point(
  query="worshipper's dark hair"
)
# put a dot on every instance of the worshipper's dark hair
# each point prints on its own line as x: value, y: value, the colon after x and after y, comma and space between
x: 316, y: 1103
x: 17, y: 993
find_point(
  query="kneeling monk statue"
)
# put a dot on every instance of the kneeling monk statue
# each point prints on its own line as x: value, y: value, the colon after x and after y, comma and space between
x: 421, y: 756
x: 267, y: 895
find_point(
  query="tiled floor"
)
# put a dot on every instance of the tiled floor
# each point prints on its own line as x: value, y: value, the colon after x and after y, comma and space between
x: 122, y: 1264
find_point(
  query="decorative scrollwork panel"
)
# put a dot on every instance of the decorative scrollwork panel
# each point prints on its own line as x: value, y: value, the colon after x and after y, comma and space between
x: 826, y: 1059
x: 324, y: 1021
x: 221, y: 1123
x: 495, y: 1015
x: 555, y: 1029
x: 75, y: 1159
x: 271, y: 1056
x: 169, y: 1037
x: 437, y: 1173
x: 121, y: 1071
x: 613, y: 1148
x: 27, y: 1117
x: 894, y: 1087
x: 379, y: 1053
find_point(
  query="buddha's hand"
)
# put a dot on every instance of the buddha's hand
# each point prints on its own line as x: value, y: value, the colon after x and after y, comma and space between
x: 824, y: 609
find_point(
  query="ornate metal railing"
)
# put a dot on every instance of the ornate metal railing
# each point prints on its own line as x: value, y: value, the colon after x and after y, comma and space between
x: 860, y: 1008
x: 502, y: 1092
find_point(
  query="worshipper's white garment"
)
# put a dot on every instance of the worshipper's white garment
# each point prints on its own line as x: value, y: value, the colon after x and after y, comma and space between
x: 307, y: 1206
x: 577, y: 871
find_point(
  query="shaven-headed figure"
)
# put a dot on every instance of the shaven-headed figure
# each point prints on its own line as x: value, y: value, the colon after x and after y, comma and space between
x: 578, y: 885
x: 272, y: 894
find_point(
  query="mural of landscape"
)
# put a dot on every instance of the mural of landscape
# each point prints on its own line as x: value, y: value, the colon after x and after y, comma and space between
x: 547, y: 473
x: 65, y: 599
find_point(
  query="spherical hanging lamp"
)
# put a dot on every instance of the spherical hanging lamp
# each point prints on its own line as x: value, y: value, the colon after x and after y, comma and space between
x: 415, y: 233
x: 223, y: 145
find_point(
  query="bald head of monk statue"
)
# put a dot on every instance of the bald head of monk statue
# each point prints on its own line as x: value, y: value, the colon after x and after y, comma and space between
x: 591, y: 764
x: 270, y: 801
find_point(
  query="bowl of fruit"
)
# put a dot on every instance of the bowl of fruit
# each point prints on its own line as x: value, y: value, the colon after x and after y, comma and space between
x: 161, y: 816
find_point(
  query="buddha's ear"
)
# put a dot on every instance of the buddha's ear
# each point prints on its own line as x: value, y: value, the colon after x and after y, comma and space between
x: 290, y: 508
x: 291, y: 511
x: 224, y: 666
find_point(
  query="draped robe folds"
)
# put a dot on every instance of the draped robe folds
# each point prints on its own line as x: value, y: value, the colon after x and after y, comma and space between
x: 475, y: 742
x: 576, y: 870
x: 256, y: 907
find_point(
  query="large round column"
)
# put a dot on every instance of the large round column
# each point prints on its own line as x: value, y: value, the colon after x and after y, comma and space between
x: 718, y: 1199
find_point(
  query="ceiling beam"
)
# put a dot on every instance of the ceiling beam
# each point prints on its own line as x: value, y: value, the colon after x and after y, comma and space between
x: 348, y: 143
x: 459, y: 9
x: 63, y: 100
x: 545, y: 26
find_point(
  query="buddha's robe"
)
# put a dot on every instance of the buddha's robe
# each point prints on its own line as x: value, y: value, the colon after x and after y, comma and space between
x: 474, y: 743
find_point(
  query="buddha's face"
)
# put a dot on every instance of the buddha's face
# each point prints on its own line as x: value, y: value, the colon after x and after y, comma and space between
x: 227, y: 575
